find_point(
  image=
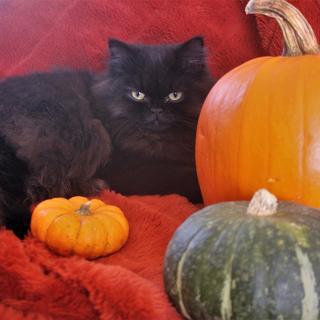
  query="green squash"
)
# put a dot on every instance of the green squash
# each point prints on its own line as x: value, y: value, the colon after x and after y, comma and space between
x: 242, y: 261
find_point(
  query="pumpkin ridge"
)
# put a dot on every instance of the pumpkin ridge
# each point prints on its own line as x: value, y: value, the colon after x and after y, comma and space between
x: 85, y: 248
x: 305, y: 139
x: 280, y: 233
x: 179, y: 281
x: 297, y: 233
x: 244, y: 106
x: 116, y: 215
x: 268, y: 106
x: 97, y: 204
x: 179, y: 272
x: 226, y: 303
x: 243, y: 222
x: 203, y: 126
x: 220, y: 222
x: 238, y: 239
x: 59, y: 203
x: 216, y: 97
x: 94, y: 253
x: 56, y: 208
x: 52, y: 243
x: 263, y: 293
x: 191, y: 225
x: 255, y: 255
x: 113, y: 209
x: 304, y: 136
x: 76, y: 238
x: 310, y: 304
x: 107, y: 244
x: 46, y: 231
x: 100, y: 216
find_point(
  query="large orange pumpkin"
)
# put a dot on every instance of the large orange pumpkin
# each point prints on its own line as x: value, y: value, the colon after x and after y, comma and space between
x: 260, y: 124
x: 78, y: 226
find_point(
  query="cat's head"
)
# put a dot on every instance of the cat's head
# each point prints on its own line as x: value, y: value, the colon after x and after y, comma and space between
x: 152, y: 94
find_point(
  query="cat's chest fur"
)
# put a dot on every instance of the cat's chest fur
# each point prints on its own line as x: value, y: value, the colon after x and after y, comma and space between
x: 136, y: 174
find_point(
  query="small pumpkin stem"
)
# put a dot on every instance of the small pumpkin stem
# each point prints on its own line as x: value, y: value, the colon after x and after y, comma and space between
x: 299, y: 37
x: 263, y: 203
x: 84, y: 210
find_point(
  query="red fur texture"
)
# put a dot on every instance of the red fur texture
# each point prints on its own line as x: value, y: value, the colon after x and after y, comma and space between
x: 39, y: 35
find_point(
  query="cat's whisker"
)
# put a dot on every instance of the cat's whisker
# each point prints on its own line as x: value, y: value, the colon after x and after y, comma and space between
x: 186, y: 123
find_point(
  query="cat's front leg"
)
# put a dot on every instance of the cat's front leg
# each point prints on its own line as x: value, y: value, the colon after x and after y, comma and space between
x: 48, y: 178
x: 67, y: 166
x: 92, y: 187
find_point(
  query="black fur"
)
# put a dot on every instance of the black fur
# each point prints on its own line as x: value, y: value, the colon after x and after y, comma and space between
x: 64, y: 133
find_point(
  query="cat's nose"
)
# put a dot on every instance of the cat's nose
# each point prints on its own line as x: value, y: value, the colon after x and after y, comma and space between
x: 156, y: 110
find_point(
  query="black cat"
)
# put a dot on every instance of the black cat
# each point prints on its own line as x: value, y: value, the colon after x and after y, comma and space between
x: 65, y: 133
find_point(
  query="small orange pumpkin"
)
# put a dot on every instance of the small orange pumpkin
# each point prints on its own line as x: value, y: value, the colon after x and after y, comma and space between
x: 89, y: 229
x: 260, y: 124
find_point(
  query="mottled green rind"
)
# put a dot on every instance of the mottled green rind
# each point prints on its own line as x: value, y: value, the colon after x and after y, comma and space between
x: 259, y: 252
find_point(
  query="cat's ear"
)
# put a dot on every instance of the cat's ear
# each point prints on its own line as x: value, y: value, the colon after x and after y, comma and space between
x: 192, y: 53
x: 195, y: 43
x: 118, y: 48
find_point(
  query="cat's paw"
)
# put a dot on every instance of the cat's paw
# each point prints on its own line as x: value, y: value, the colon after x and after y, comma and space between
x: 96, y: 186
x: 39, y: 189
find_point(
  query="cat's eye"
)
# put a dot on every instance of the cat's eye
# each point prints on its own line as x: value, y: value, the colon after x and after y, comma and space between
x: 175, y: 96
x: 137, y: 95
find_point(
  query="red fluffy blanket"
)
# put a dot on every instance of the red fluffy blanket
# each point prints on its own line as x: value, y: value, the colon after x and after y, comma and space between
x: 37, y: 284
x: 40, y: 35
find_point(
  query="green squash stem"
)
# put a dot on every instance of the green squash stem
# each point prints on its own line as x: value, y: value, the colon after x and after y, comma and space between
x: 263, y: 203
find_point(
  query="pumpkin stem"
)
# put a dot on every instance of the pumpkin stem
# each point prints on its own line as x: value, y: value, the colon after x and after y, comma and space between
x: 263, y: 203
x: 299, y: 37
x: 84, y: 210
